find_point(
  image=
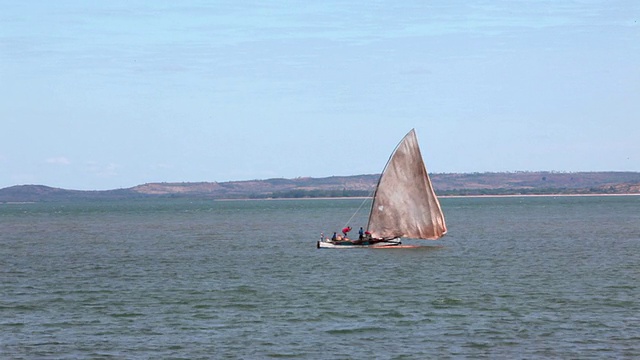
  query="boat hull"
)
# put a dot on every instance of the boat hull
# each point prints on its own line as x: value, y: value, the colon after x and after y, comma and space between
x: 324, y: 244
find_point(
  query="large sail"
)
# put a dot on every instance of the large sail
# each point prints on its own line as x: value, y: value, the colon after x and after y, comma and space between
x: 404, y: 204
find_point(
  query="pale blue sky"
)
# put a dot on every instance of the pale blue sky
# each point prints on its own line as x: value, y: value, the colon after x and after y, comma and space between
x: 111, y: 94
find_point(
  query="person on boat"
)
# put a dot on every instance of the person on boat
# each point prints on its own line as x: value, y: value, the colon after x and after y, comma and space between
x: 346, y: 230
x: 360, y: 234
x: 333, y: 238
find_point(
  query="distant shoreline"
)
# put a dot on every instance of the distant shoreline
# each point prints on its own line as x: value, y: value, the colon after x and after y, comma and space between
x: 439, y: 197
x: 351, y: 187
x: 350, y: 198
x: 345, y: 197
x: 535, y: 195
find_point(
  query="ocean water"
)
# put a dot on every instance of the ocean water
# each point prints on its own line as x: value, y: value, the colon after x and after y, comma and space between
x: 528, y: 277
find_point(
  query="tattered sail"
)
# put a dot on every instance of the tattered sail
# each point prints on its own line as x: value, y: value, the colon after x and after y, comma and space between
x: 405, y: 204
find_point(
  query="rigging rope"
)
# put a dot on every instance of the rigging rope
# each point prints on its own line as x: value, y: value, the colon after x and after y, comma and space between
x: 359, y: 207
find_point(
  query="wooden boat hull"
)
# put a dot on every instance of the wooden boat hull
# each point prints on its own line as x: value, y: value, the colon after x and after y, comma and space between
x: 325, y: 244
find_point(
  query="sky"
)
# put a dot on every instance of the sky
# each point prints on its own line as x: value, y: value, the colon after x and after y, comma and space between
x: 111, y: 94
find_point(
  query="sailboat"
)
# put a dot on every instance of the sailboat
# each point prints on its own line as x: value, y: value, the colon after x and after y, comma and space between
x: 404, y: 203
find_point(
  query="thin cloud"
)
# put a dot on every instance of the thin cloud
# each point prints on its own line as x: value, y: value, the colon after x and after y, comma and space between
x: 103, y: 170
x: 162, y: 166
x: 60, y: 160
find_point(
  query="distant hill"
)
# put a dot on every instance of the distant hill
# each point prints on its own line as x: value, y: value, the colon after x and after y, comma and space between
x: 35, y: 193
x: 540, y: 182
x: 512, y: 183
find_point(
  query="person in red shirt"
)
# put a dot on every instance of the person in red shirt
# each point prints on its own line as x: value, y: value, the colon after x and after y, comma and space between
x: 346, y: 230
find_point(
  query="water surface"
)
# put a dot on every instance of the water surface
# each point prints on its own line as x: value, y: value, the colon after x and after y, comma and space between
x: 534, y: 277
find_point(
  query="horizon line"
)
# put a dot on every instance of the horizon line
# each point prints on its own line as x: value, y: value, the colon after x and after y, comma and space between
x: 331, y: 176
